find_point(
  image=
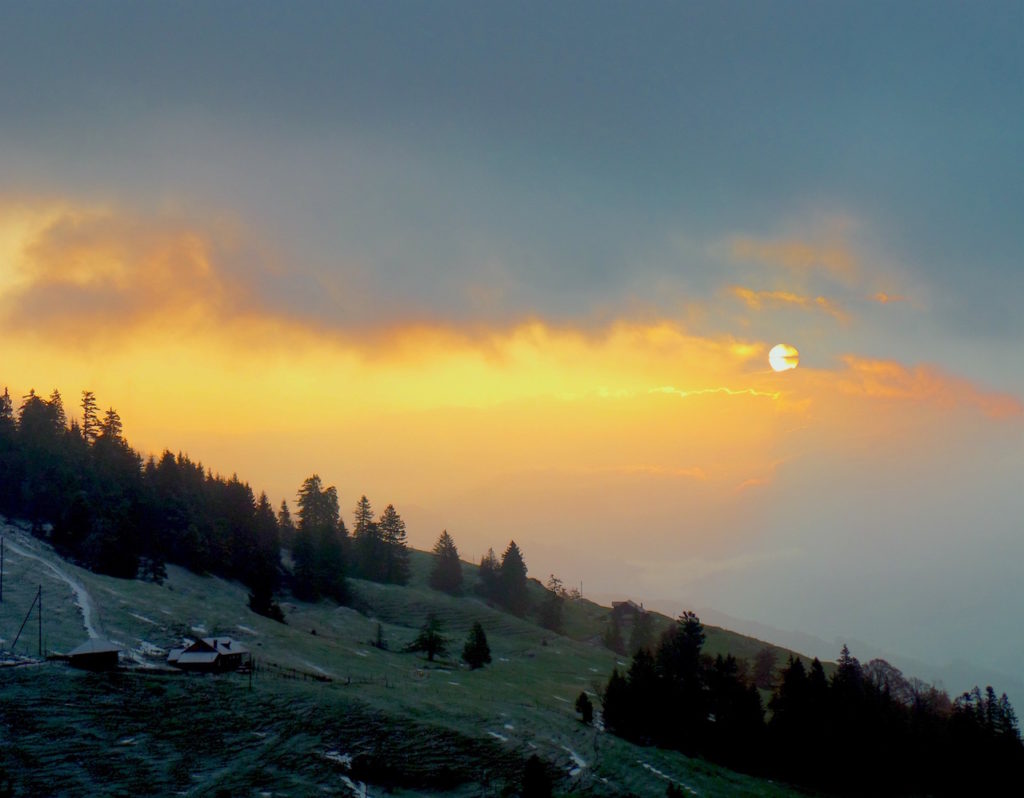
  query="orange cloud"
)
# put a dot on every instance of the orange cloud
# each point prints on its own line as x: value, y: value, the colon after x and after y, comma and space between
x: 85, y: 273
x: 755, y: 300
x: 887, y: 379
x: 833, y: 257
x: 884, y: 299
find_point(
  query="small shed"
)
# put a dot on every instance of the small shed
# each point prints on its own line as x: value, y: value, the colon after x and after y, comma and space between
x: 95, y: 655
x: 627, y: 608
x: 210, y: 654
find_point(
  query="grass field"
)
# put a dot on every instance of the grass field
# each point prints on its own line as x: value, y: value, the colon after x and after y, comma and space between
x: 387, y: 719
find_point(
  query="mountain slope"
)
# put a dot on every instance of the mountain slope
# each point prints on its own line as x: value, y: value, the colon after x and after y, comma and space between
x: 387, y: 718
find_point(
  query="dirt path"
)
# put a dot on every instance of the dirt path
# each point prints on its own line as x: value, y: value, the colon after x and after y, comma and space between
x: 82, y: 598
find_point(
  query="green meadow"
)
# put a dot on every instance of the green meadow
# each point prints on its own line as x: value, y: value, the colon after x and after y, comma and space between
x: 325, y: 711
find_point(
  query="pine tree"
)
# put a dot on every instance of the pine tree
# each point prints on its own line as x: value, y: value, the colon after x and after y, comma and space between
x: 285, y: 525
x: 111, y: 427
x: 90, y: 417
x: 367, y: 544
x: 262, y: 565
x: 551, y: 608
x: 488, y: 576
x: 319, y: 551
x: 536, y: 779
x: 396, y: 554
x: 446, y: 574
x: 430, y: 640
x: 476, y: 653
x: 585, y: 708
x: 512, y: 580
x: 59, y: 416
x: 615, y: 704
x: 6, y: 410
x: 679, y: 664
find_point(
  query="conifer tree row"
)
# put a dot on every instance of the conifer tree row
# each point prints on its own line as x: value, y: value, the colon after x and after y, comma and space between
x: 79, y: 483
x: 865, y: 730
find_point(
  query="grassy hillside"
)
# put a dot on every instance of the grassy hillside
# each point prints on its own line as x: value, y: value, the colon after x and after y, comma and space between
x: 386, y: 718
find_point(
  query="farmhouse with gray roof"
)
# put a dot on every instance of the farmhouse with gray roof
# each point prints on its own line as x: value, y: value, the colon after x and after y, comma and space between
x: 210, y: 654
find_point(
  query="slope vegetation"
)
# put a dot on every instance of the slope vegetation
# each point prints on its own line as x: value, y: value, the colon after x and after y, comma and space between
x: 327, y: 710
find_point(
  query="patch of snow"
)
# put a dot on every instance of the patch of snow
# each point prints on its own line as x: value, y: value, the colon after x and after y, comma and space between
x: 358, y: 789
x: 150, y: 650
x: 559, y: 698
x: 620, y: 662
x: 127, y: 741
x: 142, y: 618
x: 667, y: 777
x: 504, y: 659
x: 246, y: 629
x: 361, y: 653
x: 578, y: 761
x: 455, y: 684
x: 317, y: 668
x: 200, y: 629
x: 340, y: 758
x: 593, y: 670
x: 510, y: 727
x: 497, y: 736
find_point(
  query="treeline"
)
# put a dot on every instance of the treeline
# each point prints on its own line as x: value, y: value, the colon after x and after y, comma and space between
x: 501, y: 582
x: 325, y: 554
x: 865, y: 730
x: 118, y: 514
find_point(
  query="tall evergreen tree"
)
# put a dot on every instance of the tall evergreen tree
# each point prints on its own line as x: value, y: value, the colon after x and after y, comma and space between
x: 512, y: 580
x: 264, y: 561
x: 57, y: 404
x: 396, y: 553
x: 678, y: 661
x: 6, y: 410
x: 319, y: 552
x: 551, y: 607
x: 585, y: 708
x: 90, y: 417
x: 615, y: 704
x: 368, y: 555
x: 446, y: 573
x: 476, y: 653
x: 430, y: 640
x: 285, y: 525
x: 487, y: 584
x: 536, y: 779
x: 111, y: 426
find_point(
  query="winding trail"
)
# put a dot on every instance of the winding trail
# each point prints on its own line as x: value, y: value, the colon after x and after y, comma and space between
x: 82, y: 598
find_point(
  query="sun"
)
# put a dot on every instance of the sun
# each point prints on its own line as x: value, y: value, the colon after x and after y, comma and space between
x: 783, y: 357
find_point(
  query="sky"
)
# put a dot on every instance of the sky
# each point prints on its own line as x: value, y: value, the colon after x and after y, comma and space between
x: 516, y: 268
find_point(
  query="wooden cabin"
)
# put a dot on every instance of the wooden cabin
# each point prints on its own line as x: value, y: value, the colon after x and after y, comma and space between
x: 209, y: 655
x: 95, y: 655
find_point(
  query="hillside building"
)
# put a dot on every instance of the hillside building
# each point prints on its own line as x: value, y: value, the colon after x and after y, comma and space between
x: 95, y: 655
x: 209, y: 655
